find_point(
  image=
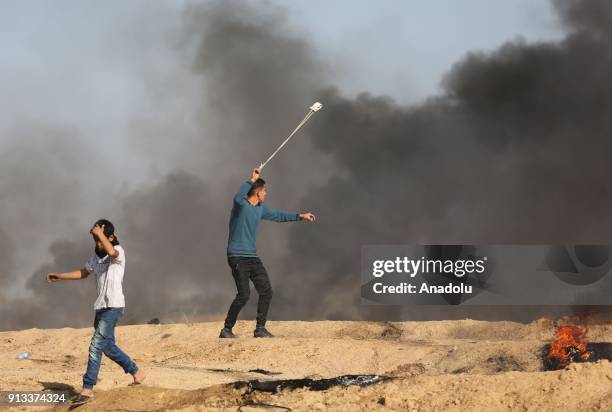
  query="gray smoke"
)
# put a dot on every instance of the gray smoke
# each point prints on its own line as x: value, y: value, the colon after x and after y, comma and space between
x: 6, y: 257
x: 513, y: 151
x: 174, y: 228
x: 42, y: 173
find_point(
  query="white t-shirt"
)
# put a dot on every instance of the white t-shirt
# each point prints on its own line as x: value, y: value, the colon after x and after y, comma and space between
x: 109, y: 278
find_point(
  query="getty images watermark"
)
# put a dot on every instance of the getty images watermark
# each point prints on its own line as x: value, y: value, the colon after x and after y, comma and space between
x: 486, y: 274
x: 414, y: 267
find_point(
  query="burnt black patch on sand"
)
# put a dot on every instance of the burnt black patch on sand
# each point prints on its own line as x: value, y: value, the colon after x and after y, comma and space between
x: 277, y: 386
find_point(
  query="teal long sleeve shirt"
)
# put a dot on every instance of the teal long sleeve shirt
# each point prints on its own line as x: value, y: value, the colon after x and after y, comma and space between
x: 244, y: 222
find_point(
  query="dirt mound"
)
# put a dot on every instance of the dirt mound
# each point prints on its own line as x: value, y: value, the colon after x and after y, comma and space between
x: 446, y: 365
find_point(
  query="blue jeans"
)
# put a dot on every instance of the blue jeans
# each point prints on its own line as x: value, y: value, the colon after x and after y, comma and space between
x: 103, y: 341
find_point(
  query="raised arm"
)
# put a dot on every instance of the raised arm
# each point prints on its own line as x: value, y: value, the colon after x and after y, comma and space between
x: 98, y: 231
x: 240, y: 197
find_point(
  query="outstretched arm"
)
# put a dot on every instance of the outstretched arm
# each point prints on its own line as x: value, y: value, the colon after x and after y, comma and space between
x: 280, y: 216
x: 74, y: 275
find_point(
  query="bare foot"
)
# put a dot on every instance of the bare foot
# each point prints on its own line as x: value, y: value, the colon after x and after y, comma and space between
x: 87, y: 392
x: 139, y: 376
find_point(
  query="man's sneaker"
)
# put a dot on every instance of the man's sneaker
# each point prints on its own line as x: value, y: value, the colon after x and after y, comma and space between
x: 227, y: 333
x: 262, y: 333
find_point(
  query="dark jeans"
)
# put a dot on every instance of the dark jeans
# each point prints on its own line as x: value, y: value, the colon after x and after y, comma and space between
x: 103, y: 341
x: 243, y: 269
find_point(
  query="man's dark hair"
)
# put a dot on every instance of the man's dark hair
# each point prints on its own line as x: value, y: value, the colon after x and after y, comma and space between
x: 255, y: 187
x: 109, y: 230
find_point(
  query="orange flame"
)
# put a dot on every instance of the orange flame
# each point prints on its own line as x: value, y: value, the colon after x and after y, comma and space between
x: 568, y: 343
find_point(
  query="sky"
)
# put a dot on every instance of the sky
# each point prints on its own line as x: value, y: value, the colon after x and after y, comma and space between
x: 398, y: 48
x: 403, y: 48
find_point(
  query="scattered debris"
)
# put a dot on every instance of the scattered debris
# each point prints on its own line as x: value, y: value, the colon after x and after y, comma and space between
x: 24, y: 355
x: 465, y: 369
x: 265, y: 372
x: 154, y: 321
x: 391, y: 331
x: 505, y: 363
x: 41, y: 360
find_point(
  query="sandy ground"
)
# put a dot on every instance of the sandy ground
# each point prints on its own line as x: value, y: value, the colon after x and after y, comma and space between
x: 437, y: 366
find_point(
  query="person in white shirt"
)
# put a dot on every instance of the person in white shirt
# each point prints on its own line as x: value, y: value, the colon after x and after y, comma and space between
x: 108, y: 266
